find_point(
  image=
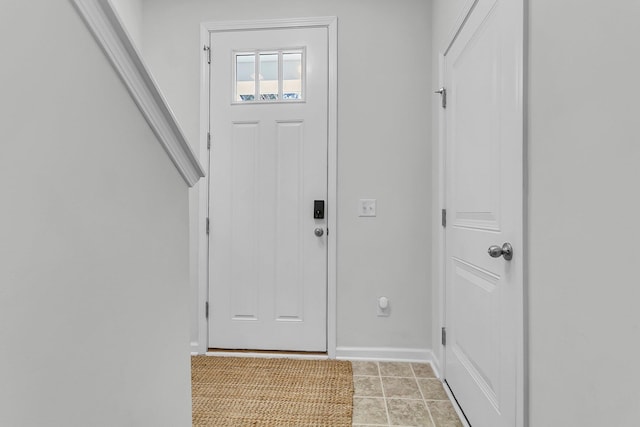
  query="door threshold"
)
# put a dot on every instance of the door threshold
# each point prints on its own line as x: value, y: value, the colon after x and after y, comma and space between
x: 221, y: 352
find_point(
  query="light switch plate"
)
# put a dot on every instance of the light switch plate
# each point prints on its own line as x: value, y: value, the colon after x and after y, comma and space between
x: 367, y: 207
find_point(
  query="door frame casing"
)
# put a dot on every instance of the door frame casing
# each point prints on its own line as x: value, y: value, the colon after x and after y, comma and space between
x: 206, y: 29
x: 439, y: 259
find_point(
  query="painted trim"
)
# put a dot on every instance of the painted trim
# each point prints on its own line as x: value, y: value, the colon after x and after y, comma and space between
x: 391, y: 354
x: 264, y: 24
x: 462, y: 18
x: 109, y: 32
x: 526, y: 414
x: 438, y: 303
x: 331, y: 24
x: 436, y: 362
x: 201, y: 251
x: 439, y: 261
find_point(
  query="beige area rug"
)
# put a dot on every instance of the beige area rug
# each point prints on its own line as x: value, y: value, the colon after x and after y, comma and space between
x: 244, y: 391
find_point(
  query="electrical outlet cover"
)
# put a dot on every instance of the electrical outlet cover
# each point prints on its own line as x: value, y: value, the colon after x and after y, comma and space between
x: 380, y: 311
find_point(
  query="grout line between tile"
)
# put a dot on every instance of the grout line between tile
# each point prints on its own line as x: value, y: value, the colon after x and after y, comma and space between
x: 422, y: 394
x: 395, y: 376
x: 385, y: 399
x: 403, y: 398
x: 384, y: 395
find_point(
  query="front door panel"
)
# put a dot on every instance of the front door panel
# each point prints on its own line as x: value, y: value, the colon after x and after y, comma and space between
x: 268, y: 268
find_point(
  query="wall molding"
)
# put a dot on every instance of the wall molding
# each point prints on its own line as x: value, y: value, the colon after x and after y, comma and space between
x: 390, y: 354
x: 263, y: 24
x: 200, y: 246
x: 109, y: 32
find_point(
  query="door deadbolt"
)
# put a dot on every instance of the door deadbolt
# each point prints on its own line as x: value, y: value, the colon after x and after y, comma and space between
x: 318, y: 209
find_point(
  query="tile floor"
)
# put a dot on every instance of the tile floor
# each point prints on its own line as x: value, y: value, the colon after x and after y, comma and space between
x: 400, y: 394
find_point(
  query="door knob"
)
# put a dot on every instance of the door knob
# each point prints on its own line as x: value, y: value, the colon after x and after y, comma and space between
x: 505, y: 251
x: 318, y: 231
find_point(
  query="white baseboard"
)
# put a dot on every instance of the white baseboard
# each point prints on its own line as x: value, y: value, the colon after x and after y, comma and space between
x: 196, y: 349
x: 435, y: 364
x: 391, y: 354
x: 386, y: 354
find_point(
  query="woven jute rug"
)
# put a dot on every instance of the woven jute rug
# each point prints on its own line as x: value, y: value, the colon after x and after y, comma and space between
x: 244, y: 391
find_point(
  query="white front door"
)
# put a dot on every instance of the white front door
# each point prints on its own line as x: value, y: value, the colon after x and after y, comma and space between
x: 484, y: 201
x: 268, y: 246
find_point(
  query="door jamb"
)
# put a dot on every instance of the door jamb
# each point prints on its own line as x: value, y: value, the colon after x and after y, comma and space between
x: 440, y: 259
x: 206, y: 28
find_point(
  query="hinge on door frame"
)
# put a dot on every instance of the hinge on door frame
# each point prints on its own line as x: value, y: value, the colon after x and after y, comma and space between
x: 207, y: 225
x: 444, y: 336
x: 206, y: 309
x: 444, y: 217
x: 208, y: 50
x: 208, y: 140
x: 443, y: 96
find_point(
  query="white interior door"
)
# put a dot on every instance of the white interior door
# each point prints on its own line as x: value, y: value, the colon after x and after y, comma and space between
x: 268, y: 254
x: 484, y: 200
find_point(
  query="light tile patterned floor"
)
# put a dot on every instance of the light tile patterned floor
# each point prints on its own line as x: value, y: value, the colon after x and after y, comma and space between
x: 400, y: 394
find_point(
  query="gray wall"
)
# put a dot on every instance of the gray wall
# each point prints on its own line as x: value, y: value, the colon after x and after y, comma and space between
x: 583, y: 232
x: 130, y: 13
x: 93, y: 232
x: 384, y: 73
x: 584, y: 181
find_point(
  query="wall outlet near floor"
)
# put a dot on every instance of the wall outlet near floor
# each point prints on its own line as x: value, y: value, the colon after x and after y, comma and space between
x: 383, y: 307
x: 367, y: 207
